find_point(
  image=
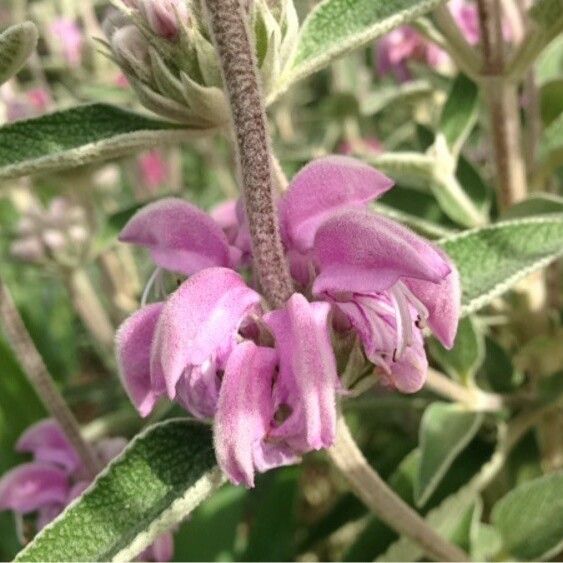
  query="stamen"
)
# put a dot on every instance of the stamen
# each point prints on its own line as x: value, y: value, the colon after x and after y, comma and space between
x: 403, y: 320
x: 414, y: 301
x: 149, y: 286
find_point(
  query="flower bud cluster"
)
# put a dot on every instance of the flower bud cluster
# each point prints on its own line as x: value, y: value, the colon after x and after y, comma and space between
x: 58, y: 233
x: 165, y: 50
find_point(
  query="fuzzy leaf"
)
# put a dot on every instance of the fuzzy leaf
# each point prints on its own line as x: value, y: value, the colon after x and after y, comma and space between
x: 492, y: 259
x: 16, y: 44
x: 335, y: 27
x: 530, y: 519
x: 162, y: 475
x: 445, y: 430
x: 78, y: 136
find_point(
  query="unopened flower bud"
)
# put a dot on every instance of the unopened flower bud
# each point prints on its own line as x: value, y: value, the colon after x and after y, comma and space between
x: 164, y: 16
x: 132, y: 50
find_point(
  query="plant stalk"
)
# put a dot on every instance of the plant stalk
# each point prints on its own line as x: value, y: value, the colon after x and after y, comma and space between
x: 228, y: 25
x: 381, y: 500
x: 42, y: 381
x: 502, y: 99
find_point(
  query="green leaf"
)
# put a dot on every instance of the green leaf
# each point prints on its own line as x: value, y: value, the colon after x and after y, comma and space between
x: 78, y: 136
x: 162, y: 475
x: 536, y: 204
x: 492, y: 259
x: 445, y: 431
x: 467, y: 354
x: 335, y: 27
x: 548, y: 14
x: 459, y: 113
x: 387, y: 95
x: 222, y: 513
x: 530, y: 519
x: 16, y: 44
x: 551, y: 101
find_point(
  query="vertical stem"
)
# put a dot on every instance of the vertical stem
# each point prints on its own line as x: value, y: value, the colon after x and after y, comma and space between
x: 390, y: 508
x: 502, y: 98
x: 89, y: 308
x: 41, y: 380
x: 227, y: 20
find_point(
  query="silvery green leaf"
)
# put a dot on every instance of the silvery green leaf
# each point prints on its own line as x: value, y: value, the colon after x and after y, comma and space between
x: 162, y: 105
x: 535, y: 204
x: 388, y: 94
x: 335, y: 27
x: 492, y: 259
x: 161, y: 476
x: 16, y: 45
x: 166, y: 82
x: 445, y: 430
x: 78, y: 136
x: 530, y: 519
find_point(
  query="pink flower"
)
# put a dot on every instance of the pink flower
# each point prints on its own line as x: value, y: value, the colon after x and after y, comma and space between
x: 164, y: 17
x: 153, y: 169
x: 69, y: 39
x: 32, y: 103
x: 394, y: 51
x: 269, y: 379
x: 47, y: 484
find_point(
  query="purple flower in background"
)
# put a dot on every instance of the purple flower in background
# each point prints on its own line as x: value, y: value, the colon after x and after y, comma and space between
x: 69, y: 40
x: 54, y: 478
x: 153, y: 169
x: 32, y: 103
x: 394, y: 51
x: 268, y: 379
x: 466, y: 17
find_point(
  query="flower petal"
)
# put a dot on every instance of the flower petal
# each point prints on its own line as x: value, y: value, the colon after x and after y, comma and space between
x: 198, y: 324
x: 245, y: 413
x: 31, y: 485
x: 323, y: 187
x: 133, y: 348
x: 443, y: 302
x: 363, y: 252
x: 408, y: 374
x: 48, y: 443
x: 307, y: 381
x: 180, y: 237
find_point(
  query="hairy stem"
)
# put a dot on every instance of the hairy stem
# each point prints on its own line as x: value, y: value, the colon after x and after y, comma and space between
x: 41, y: 380
x: 473, y: 398
x: 227, y: 21
x: 502, y: 99
x: 389, y: 507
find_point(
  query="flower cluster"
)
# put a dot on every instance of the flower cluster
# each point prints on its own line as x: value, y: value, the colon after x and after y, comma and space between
x: 55, y: 477
x: 165, y: 51
x: 269, y: 379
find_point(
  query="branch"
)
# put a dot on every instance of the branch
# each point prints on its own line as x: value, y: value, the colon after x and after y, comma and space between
x: 42, y: 381
x: 382, y: 501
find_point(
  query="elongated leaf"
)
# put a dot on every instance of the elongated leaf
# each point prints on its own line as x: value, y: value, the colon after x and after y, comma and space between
x: 492, y: 259
x: 335, y: 27
x: 530, y: 519
x: 78, y: 136
x: 459, y: 113
x: 160, y: 477
x: 467, y: 354
x: 536, y: 204
x: 445, y: 430
x: 16, y: 44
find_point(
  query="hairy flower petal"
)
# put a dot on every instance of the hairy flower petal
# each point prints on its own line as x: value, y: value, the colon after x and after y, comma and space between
x: 244, y: 415
x: 133, y: 346
x: 361, y: 251
x: 31, y: 485
x: 180, y: 237
x: 48, y: 443
x: 198, y: 324
x: 323, y: 187
x: 307, y: 381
